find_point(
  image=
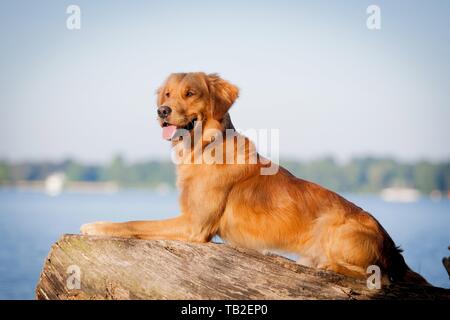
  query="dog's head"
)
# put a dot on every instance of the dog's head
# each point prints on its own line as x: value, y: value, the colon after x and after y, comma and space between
x: 187, y: 99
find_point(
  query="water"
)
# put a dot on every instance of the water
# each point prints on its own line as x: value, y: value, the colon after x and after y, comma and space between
x: 31, y: 221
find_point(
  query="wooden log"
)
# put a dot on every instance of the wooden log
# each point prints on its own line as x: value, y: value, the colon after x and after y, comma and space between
x: 114, y: 268
x: 446, y: 263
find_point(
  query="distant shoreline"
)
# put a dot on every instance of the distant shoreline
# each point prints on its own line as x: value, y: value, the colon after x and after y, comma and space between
x: 366, y: 175
x: 392, y: 194
x: 109, y: 187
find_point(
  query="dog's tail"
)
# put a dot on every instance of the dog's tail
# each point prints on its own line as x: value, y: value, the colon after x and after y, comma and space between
x: 396, y: 268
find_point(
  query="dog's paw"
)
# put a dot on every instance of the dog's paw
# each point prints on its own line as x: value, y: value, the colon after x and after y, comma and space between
x: 94, y: 228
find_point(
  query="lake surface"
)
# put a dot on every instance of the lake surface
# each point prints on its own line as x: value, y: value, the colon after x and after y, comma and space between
x: 30, y: 222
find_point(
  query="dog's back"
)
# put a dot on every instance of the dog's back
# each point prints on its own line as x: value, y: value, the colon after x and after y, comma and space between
x: 282, y: 212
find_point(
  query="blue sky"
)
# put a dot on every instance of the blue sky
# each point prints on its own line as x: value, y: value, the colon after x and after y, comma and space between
x: 310, y: 69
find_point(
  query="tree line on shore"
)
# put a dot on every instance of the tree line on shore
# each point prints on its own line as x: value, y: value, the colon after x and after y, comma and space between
x: 365, y: 174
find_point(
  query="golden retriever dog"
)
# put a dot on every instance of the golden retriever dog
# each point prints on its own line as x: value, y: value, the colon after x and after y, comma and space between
x: 266, y: 212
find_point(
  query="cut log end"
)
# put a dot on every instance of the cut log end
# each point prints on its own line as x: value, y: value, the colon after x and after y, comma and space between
x: 87, y: 267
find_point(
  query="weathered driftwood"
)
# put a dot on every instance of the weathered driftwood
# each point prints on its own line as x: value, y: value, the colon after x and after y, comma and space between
x: 446, y: 263
x: 113, y: 268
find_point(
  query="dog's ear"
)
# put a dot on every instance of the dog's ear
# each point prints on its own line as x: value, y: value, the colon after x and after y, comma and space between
x: 222, y: 95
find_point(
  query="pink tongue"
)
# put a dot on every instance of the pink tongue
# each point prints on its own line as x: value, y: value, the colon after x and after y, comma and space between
x: 169, y: 132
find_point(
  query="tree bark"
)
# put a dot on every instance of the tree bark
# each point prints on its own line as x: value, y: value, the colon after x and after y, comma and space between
x: 115, y: 268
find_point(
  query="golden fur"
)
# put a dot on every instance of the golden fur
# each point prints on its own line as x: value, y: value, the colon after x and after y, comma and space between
x: 264, y: 212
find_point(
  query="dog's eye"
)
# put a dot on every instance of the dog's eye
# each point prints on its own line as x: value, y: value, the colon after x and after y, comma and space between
x: 167, y: 94
x: 189, y: 93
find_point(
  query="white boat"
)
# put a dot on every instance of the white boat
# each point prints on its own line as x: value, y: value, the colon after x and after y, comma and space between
x: 397, y: 194
x: 54, y: 183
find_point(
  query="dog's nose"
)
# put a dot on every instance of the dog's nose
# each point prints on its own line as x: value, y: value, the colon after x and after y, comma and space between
x: 164, y: 111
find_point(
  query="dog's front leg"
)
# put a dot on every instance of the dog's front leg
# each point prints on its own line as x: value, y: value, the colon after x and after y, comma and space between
x: 179, y: 228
